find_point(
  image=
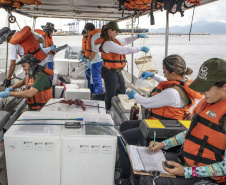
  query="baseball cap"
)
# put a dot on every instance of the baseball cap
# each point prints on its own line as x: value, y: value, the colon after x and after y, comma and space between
x: 114, y: 26
x: 4, y: 33
x: 29, y: 58
x: 210, y: 72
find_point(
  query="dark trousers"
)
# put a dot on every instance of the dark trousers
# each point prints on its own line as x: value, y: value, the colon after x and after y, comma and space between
x: 131, y: 132
x: 114, y: 85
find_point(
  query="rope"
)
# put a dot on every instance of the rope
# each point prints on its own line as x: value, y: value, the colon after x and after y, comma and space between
x: 191, y: 23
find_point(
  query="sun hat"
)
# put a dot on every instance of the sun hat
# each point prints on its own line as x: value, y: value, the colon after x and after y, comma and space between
x: 4, y: 33
x: 210, y: 72
x: 114, y: 26
x: 29, y: 58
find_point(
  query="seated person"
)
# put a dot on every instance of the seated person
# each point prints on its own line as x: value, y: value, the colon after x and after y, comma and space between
x: 204, y: 143
x: 38, y: 83
x: 171, y: 99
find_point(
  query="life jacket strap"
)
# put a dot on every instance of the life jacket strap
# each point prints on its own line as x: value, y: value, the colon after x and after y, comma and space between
x: 36, y: 51
x: 115, y: 61
x: 202, y: 159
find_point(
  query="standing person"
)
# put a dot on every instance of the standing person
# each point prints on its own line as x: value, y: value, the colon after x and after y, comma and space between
x: 113, y: 54
x: 84, y: 40
x: 171, y: 99
x: 94, y: 60
x: 204, y: 144
x: 38, y: 83
x: 21, y: 43
x: 47, y: 46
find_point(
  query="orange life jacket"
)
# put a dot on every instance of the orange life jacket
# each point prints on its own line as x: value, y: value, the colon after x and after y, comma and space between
x: 197, y: 2
x: 205, y: 142
x: 168, y: 112
x: 19, y: 3
x: 48, y: 39
x: 27, y: 40
x: 84, y: 40
x: 138, y: 5
x: 41, y: 97
x: 88, y: 49
x: 111, y: 60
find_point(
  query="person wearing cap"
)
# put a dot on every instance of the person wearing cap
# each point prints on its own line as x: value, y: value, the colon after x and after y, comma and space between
x: 47, y: 46
x: 94, y: 60
x: 21, y: 43
x: 113, y: 53
x: 203, y: 157
x: 38, y: 83
x: 170, y: 100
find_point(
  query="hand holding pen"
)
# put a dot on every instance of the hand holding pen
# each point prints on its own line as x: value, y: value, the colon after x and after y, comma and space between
x: 158, y: 146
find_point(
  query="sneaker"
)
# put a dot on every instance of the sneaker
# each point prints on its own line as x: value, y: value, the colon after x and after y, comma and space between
x: 121, y: 181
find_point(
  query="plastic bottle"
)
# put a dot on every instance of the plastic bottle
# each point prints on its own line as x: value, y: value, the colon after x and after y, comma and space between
x: 134, y: 112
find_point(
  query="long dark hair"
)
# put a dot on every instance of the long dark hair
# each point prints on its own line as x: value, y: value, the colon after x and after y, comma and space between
x: 104, y: 33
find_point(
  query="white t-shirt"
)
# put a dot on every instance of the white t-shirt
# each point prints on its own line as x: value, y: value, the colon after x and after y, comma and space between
x: 17, y: 49
x: 49, y: 57
x: 95, y: 48
x: 167, y: 97
x: 112, y: 47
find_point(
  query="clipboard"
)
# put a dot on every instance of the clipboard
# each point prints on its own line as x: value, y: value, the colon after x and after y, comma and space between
x: 145, y: 173
x: 60, y: 48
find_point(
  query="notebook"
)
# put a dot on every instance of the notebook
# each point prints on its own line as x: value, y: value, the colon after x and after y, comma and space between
x: 144, y: 161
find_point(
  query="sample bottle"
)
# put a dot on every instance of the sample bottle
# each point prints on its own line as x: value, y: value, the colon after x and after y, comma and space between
x: 134, y: 112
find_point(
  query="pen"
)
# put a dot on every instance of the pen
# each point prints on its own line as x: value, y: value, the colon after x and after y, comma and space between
x: 154, y: 137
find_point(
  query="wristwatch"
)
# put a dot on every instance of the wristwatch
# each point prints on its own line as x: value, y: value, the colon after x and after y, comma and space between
x: 194, y: 172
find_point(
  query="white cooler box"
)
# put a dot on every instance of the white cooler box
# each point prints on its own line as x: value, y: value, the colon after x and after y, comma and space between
x: 87, y: 159
x: 32, y: 153
x: 61, y: 66
x: 82, y: 93
x: 80, y: 83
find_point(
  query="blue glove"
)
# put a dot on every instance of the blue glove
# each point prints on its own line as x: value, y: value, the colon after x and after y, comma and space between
x: 4, y: 94
x: 83, y: 58
x: 89, y: 65
x: 145, y: 75
x: 131, y: 94
x: 144, y: 49
x: 142, y: 36
x: 53, y: 47
x: 9, y: 89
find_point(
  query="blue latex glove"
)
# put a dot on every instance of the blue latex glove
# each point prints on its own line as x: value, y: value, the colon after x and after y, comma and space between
x: 89, y: 65
x: 53, y: 47
x: 83, y: 58
x: 144, y: 49
x: 142, y: 36
x: 131, y: 94
x: 4, y: 94
x: 145, y: 75
x: 9, y: 89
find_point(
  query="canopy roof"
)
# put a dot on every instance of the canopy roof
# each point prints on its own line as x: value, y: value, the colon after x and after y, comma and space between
x: 104, y: 10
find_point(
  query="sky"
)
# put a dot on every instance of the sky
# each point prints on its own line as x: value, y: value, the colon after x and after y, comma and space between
x: 212, y: 12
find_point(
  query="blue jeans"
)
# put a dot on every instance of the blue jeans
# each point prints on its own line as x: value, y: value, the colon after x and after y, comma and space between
x: 96, y: 87
x: 50, y: 66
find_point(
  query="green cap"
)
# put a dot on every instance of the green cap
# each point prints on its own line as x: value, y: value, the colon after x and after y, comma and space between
x: 210, y: 72
x: 114, y: 26
x: 29, y: 58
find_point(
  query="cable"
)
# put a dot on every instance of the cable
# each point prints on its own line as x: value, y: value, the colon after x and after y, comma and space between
x: 191, y: 23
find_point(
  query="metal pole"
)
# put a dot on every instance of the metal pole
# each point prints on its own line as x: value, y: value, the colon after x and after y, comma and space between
x: 132, y: 54
x: 167, y: 34
x: 7, y: 45
x: 34, y: 23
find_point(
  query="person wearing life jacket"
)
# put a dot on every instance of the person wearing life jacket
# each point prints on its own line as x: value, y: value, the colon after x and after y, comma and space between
x: 203, y: 155
x: 113, y: 53
x: 37, y: 81
x: 84, y: 40
x: 21, y: 43
x: 172, y: 99
x: 94, y: 60
x: 47, y: 46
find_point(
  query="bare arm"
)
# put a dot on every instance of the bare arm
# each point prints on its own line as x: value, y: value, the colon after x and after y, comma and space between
x: 92, y: 56
x: 11, y: 69
x: 24, y: 94
x: 18, y: 85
